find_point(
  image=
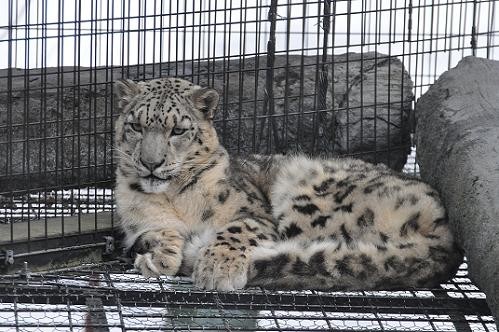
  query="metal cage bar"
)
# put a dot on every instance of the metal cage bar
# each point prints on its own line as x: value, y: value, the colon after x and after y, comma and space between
x: 288, y: 71
x: 59, y: 59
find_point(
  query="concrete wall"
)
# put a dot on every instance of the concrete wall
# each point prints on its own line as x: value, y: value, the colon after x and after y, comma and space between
x: 458, y: 151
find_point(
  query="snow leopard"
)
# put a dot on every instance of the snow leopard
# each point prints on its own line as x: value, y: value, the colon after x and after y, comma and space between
x: 276, y: 221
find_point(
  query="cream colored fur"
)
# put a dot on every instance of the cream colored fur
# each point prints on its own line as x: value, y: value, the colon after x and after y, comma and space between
x: 275, y: 221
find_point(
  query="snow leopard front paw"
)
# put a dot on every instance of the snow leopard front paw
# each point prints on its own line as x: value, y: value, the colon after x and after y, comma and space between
x: 158, y: 253
x: 221, y: 268
x: 158, y: 262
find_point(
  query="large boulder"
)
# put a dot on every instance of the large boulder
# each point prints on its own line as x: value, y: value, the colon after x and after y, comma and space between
x: 457, y: 137
x: 56, y: 124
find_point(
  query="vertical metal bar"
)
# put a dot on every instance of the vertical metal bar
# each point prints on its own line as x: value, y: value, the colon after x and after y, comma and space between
x: 59, y: 121
x: 74, y: 149
x: 76, y: 96
x: 177, y: 41
x: 193, y: 45
x: 315, y: 109
x: 116, y: 294
x: 15, y: 30
x: 16, y: 313
x: 184, y: 42
x: 408, y: 12
x: 436, y: 52
x: 268, y: 101
x: 446, y: 24
x: 301, y: 98
x: 423, y: 50
x: 389, y: 88
x: 170, y: 18
x: 91, y: 108
x: 432, y: 19
x: 347, y: 74
x: 8, y: 163
x: 322, y: 311
x: 154, y: 31
x: 95, y: 133
x: 490, y: 29
x: 285, y: 120
x: 417, y: 53
x: 144, y: 44
x: 201, y: 41
x: 323, y: 83
x: 108, y: 106
x: 76, y: 112
x: 462, y: 23
x: 363, y: 40
x: 258, y: 30
x: 242, y: 48
x: 210, y: 78
x: 272, y: 310
x: 138, y: 17
x: 214, y: 39
x: 405, y: 125
x: 128, y: 33
x: 26, y: 148
x: 68, y: 308
x: 122, y: 37
x: 332, y: 126
x: 43, y: 109
x: 225, y: 69
x: 474, y: 29
x: 222, y: 313
x: 494, y: 35
x: 377, y: 38
x: 18, y: 142
x: 161, y: 36
x: 451, y: 25
x: 99, y: 30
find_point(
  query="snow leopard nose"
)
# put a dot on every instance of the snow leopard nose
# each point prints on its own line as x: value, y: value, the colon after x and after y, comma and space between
x: 151, y: 165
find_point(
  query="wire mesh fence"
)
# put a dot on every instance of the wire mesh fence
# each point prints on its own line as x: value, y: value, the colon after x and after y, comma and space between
x: 322, y: 77
x: 109, y: 297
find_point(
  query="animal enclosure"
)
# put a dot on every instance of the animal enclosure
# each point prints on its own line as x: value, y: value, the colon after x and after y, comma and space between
x: 331, y: 78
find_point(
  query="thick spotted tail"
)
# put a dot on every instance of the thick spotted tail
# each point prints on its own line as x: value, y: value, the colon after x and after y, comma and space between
x: 365, y: 266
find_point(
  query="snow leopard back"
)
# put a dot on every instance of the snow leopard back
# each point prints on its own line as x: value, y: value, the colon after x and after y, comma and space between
x: 365, y: 225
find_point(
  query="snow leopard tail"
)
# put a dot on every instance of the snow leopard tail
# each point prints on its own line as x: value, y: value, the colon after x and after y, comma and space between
x: 363, y: 266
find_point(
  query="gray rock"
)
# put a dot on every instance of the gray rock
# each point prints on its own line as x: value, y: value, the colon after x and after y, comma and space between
x: 61, y: 132
x: 457, y: 145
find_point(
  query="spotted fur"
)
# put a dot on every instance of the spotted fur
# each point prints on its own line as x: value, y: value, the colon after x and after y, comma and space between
x: 274, y: 221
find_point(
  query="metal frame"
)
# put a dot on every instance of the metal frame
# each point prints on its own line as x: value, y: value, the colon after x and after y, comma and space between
x: 58, y: 60
x: 38, y: 39
x: 111, y: 296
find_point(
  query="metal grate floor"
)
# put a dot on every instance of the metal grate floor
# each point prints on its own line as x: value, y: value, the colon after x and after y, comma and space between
x: 113, y: 297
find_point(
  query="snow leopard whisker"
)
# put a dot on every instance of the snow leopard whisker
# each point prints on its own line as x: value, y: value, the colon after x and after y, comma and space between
x: 124, y: 155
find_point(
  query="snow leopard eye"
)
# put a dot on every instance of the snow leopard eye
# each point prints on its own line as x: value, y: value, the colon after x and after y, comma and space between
x: 178, y: 131
x: 135, y: 126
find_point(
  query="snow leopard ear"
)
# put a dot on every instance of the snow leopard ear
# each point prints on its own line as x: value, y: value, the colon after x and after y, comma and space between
x: 206, y: 101
x: 125, y: 90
